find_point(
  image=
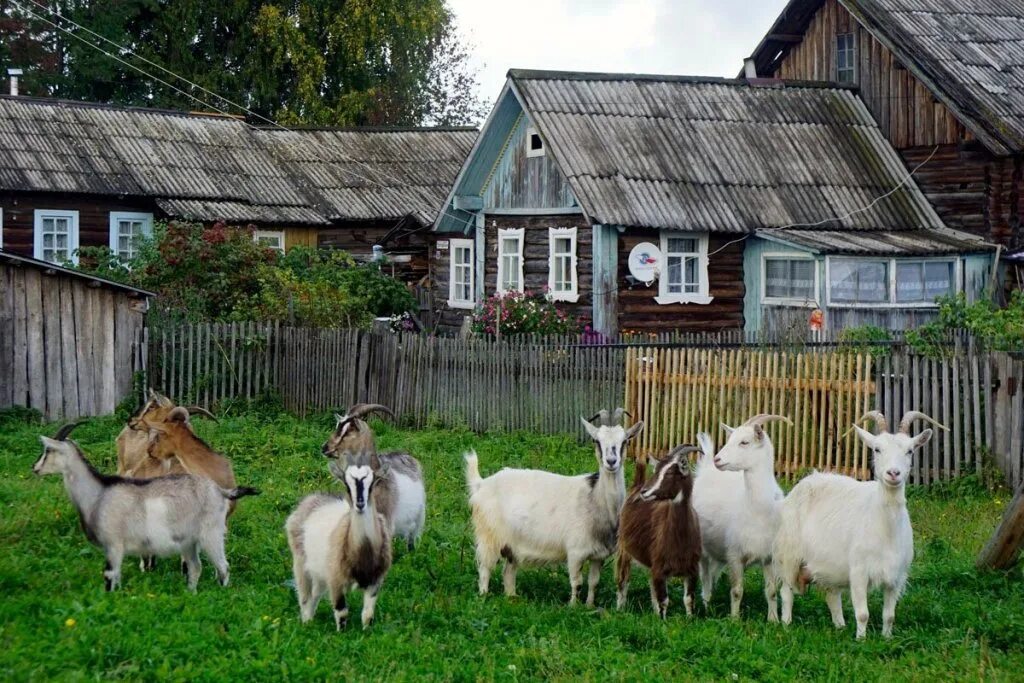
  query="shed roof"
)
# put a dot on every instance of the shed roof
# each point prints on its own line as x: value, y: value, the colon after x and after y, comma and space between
x: 205, y: 167
x: 8, y: 257
x: 939, y: 242
x: 720, y: 155
x: 970, y: 53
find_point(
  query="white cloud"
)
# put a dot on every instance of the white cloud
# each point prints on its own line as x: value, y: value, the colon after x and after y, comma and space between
x: 693, y: 37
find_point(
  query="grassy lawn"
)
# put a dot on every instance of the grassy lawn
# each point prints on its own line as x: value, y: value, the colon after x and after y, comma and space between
x: 56, y: 622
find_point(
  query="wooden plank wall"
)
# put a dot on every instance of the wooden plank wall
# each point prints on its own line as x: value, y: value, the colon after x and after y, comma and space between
x: 905, y: 110
x: 67, y: 348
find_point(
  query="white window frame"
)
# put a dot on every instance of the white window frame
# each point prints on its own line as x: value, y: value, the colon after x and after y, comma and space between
x: 503, y: 234
x: 788, y: 301
x: 530, y: 151
x: 892, y: 261
x: 37, y: 232
x: 703, y: 295
x: 115, y: 219
x: 572, y: 295
x: 454, y: 246
x: 853, y: 51
x: 258, y: 234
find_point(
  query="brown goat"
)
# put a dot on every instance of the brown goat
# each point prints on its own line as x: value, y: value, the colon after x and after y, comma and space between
x: 659, y: 529
x: 173, y: 442
x: 133, y: 442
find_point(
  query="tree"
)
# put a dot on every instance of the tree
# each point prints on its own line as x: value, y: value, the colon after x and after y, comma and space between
x: 323, y: 62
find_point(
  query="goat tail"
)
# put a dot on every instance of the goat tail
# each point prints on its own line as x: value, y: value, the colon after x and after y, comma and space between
x: 240, y: 492
x: 473, y: 478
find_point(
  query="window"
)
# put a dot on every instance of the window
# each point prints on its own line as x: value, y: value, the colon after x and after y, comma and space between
x: 923, y: 281
x: 534, y: 143
x: 126, y: 231
x: 460, y: 283
x: 684, y: 271
x: 510, y: 260
x: 562, y: 279
x: 789, y: 280
x: 272, y: 239
x: 846, y: 58
x: 911, y: 283
x: 56, y: 235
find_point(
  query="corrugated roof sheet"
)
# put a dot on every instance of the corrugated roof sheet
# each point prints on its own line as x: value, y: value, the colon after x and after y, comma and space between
x: 213, y: 167
x: 969, y: 52
x: 917, y: 243
x: 8, y: 257
x: 720, y: 155
x: 372, y: 174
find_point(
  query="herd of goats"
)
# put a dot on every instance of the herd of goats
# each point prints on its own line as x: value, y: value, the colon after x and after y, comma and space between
x: 173, y: 494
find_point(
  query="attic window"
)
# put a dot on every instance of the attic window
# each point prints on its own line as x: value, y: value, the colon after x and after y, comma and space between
x: 534, y: 143
x: 846, y: 58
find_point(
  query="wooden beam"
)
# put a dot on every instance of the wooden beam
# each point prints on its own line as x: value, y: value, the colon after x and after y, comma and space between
x: 1002, y: 549
x: 785, y: 37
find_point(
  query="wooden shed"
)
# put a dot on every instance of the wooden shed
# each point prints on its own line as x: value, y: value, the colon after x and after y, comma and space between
x: 70, y: 343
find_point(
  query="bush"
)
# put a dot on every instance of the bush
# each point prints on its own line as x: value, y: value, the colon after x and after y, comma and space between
x: 522, y: 313
x: 999, y: 329
x: 866, y: 339
x: 220, y: 273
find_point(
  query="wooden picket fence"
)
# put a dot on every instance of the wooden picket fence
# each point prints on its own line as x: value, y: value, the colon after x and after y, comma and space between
x: 545, y: 385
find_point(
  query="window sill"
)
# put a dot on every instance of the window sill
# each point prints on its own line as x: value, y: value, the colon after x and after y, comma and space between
x: 465, y: 305
x: 684, y: 299
x: 564, y: 297
x: 793, y: 303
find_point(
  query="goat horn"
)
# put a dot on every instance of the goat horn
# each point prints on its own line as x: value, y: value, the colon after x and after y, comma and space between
x: 361, y: 409
x: 878, y: 417
x: 602, y: 414
x: 199, y: 410
x: 65, y: 431
x: 766, y: 417
x: 913, y: 415
x: 680, y: 451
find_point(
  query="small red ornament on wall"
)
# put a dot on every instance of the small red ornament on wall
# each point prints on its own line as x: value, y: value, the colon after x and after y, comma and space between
x: 817, y: 320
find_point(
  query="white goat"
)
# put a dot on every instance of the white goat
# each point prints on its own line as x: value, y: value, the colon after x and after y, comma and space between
x: 737, y: 500
x: 842, y: 533
x: 172, y: 515
x: 340, y: 543
x: 532, y: 516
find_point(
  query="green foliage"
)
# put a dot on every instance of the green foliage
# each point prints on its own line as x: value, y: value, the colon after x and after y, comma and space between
x: 219, y: 273
x: 56, y: 622
x: 327, y: 62
x: 999, y: 329
x: 866, y: 339
x: 522, y: 313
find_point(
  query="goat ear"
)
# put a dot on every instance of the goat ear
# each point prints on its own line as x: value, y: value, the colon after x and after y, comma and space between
x: 867, y: 437
x: 591, y: 429
x: 634, y: 430
x: 922, y: 438
x: 179, y: 414
x: 337, y: 469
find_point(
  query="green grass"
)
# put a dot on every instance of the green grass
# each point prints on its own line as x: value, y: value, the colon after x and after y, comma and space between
x: 952, y: 623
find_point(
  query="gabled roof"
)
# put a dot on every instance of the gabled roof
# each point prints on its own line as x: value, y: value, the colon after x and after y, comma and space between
x: 9, y: 258
x: 204, y: 167
x: 374, y: 173
x: 969, y: 53
x: 718, y: 154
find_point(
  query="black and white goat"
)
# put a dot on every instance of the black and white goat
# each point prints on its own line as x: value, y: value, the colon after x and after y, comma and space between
x: 164, y: 516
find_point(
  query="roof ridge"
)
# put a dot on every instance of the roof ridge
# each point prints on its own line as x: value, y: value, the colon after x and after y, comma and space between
x: 762, y: 84
x: 82, y: 104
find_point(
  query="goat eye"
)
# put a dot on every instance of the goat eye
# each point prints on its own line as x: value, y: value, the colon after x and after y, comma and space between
x: 744, y: 443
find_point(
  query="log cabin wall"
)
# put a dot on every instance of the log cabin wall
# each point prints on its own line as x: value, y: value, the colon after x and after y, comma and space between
x: 970, y: 188
x: 68, y: 344
x: 407, y: 250
x: 640, y: 312
x: 535, y: 256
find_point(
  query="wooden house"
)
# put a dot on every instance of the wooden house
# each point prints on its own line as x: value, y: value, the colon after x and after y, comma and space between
x: 943, y: 82
x: 70, y: 343
x: 574, y: 174
x: 77, y: 174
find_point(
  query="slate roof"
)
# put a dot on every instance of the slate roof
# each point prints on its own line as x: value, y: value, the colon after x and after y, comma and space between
x: 205, y: 167
x: 720, y: 155
x: 970, y: 53
x: 931, y: 242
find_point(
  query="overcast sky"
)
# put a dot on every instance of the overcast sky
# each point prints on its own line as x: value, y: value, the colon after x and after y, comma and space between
x: 691, y: 37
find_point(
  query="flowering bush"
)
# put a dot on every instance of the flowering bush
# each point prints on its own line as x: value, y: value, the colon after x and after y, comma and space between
x: 522, y: 313
x: 402, y: 323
